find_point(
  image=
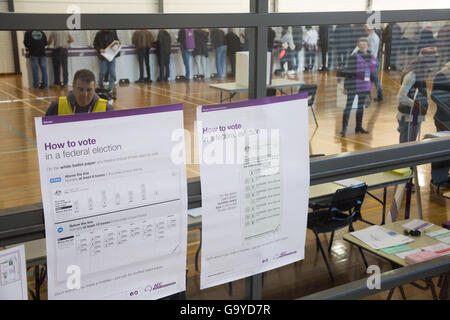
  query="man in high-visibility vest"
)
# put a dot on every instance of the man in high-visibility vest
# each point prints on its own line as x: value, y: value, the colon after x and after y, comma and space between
x: 82, y: 99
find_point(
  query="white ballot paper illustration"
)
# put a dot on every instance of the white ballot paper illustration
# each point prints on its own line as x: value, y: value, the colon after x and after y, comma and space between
x: 255, y: 186
x: 114, y: 204
x: 111, y: 51
x: 13, y: 274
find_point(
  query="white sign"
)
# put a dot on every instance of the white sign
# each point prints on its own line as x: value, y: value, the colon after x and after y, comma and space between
x: 255, y: 186
x: 13, y: 274
x: 114, y: 204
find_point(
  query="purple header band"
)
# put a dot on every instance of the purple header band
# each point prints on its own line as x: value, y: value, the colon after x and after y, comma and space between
x: 255, y: 102
x: 110, y: 114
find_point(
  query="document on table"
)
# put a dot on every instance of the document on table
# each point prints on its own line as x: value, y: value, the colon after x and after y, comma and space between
x: 378, y: 237
x: 348, y: 182
x: 254, y: 197
x: 115, y: 203
x: 111, y: 51
x: 13, y: 274
x: 439, y: 248
x: 417, y: 224
x: 442, y: 235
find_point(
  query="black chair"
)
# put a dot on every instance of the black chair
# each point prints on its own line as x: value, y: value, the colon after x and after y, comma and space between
x: 311, y: 89
x: 342, y: 211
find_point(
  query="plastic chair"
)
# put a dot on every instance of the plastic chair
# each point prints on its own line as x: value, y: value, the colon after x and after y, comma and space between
x: 342, y: 211
x: 311, y: 89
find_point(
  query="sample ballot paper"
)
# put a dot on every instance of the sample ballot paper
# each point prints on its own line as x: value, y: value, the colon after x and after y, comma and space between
x: 254, y: 168
x: 13, y: 274
x: 114, y: 204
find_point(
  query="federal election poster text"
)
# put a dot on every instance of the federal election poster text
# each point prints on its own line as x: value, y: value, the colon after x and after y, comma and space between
x: 255, y: 186
x: 114, y: 204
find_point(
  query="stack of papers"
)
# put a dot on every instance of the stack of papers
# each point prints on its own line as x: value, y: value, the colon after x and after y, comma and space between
x: 378, y: 237
x: 348, y: 182
x: 440, y: 248
x: 442, y: 235
x: 417, y: 224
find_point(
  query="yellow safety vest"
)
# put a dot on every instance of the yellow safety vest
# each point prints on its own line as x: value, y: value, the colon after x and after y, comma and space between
x: 64, y: 107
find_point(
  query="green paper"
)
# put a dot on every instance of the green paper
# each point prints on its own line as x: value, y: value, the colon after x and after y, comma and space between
x: 396, y: 249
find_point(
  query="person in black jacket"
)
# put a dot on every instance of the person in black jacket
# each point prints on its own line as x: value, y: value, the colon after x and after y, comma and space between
x: 200, y: 53
x: 297, y: 36
x: 219, y: 44
x: 343, y: 43
x: 35, y: 41
x: 102, y: 40
x: 440, y: 94
x: 163, y: 44
x: 233, y: 45
x: 324, y: 31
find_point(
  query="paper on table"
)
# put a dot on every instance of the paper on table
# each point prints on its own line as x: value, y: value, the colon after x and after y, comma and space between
x: 444, y: 239
x: 438, y: 233
x: 439, y: 248
x: 348, y: 182
x: 196, y: 212
x: 111, y: 51
x: 417, y: 224
x: 378, y: 237
x: 396, y: 249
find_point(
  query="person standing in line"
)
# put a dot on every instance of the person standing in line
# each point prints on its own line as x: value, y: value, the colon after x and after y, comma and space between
x: 324, y: 32
x: 200, y: 53
x: 35, y: 41
x: 143, y: 41
x: 358, y: 81
x: 311, y: 39
x: 233, y: 45
x: 187, y: 45
x: 392, y: 35
x: 219, y: 44
x: 440, y: 94
x: 102, y: 40
x: 443, y: 44
x: 287, y: 50
x: 297, y: 36
x: 374, y: 45
x: 163, y: 44
x: 61, y: 41
x: 342, y: 43
x: 410, y: 41
x: 414, y: 81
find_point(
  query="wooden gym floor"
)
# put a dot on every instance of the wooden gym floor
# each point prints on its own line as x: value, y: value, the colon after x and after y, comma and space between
x: 19, y: 183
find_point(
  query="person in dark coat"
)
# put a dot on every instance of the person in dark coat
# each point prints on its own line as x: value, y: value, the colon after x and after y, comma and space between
x: 102, y: 40
x: 200, y: 53
x: 297, y: 36
x: 324, y: 32
x: 343, y: 44
x: 443, y: 44
x: 163, y: 44
x: 219, y: 44
x: 440, y: 94
x: 35, y: 41
x: 233, y: 45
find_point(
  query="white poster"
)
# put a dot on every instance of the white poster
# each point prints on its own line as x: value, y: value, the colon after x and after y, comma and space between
x: 255, y: 186
x: 114, y: 204
x: 13, y: 274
